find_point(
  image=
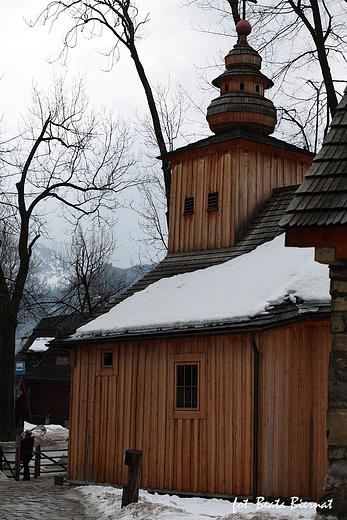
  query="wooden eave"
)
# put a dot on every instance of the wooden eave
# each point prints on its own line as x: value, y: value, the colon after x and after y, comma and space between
x: 246, y: 74
x: 330, y: 236
x: 283, y: 314
x: 237, y: 139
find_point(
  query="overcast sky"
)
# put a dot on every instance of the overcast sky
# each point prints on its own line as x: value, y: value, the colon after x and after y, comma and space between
x: 172, y: 51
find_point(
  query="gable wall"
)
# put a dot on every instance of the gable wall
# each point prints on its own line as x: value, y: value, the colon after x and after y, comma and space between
x: 244, y: 175
x: 130, y: 406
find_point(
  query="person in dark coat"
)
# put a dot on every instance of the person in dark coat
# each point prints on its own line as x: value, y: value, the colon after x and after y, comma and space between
x: 26, y: 452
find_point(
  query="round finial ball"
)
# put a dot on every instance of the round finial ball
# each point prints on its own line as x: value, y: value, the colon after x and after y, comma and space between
x: 243, y: 28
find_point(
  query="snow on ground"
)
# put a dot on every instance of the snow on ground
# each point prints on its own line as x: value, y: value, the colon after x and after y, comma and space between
x: 104, y: 502
x: 236, y: 290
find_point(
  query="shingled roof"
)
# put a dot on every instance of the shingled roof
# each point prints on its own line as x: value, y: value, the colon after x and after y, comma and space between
x: 239, y: 133
x: 264, y: 228
x: 321, y: 200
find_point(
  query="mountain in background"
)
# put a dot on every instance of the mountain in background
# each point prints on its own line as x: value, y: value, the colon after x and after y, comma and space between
x: 51, y: 271
x: 51, y: 274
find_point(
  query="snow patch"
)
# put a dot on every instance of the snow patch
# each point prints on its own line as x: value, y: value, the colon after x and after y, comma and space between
x: 47, y: 434
x: 39, y: 345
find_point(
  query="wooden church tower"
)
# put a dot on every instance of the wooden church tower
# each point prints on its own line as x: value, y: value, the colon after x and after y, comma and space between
x: 220, y: 183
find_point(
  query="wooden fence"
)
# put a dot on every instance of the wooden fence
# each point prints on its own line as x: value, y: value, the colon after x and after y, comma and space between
x: 48, y: 461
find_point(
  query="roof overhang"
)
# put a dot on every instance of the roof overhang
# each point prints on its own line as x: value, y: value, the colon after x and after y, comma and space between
x: 281, y: 315
x: 239, y: 138
x: 319, y: 237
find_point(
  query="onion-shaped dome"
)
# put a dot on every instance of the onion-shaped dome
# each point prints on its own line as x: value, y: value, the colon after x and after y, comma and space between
x: 241, y: 103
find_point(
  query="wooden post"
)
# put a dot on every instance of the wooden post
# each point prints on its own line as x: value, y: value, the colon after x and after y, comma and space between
x: 133, y: 459
x: 37, y: 470
x: 18, y: 445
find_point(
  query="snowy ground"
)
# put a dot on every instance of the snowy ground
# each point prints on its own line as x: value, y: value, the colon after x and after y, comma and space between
x: 104, y: 502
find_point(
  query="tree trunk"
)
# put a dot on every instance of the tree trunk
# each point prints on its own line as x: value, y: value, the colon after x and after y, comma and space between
x: 234, y: 6
x: 319, y: 38
x: 323, y: 58
x: 7, y: 355
x: 166, y: 166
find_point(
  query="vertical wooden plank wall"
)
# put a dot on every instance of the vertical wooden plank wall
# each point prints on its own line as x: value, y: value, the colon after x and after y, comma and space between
x: 293, y: 382
x: 131, y: 407
x: 321, y: 340
x: 244, y: 177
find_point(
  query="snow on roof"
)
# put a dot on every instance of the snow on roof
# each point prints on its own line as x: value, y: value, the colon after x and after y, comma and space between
x: 39, y: 345
x: 234, y: 291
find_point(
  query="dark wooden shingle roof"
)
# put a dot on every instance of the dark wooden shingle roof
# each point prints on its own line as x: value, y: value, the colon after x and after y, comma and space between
x: 239, y: 133
x: 321, y: 200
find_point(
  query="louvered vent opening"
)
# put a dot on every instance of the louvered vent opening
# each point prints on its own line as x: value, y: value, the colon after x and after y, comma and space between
x: 188, y: 206
x: 212, y: 202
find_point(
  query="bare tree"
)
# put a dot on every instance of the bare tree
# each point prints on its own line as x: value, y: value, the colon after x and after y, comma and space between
x: 172, y: 106
x: 35, y: 290
x: 91, y: 279
x: 305, y: 43
x: 121, y: 18
x: 65, y: 157
x: 152, y: 222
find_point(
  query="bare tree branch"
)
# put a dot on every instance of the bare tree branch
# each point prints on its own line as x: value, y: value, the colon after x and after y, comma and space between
x: 65, y: 154
x: 121, y: 18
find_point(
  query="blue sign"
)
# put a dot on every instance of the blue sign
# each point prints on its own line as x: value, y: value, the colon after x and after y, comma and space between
x: 19, y: 368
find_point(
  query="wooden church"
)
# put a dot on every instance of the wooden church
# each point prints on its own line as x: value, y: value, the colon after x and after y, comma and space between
x: 221, y: 398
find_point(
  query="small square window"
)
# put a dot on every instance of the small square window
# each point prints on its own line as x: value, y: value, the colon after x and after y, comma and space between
x: 107, y: 359
x: 188, y: 206
x: 212, y: 201
x: 187, y: 386
x: 62, y: 361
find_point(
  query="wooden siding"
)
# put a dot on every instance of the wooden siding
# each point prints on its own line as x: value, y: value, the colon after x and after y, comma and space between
x: 293, y: 405
x: 244, y: 175
x: 131, y: 406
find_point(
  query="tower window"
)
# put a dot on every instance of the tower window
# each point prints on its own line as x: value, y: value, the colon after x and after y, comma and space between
x: 257, y: 88
x: 242, y: 86
x: 188, y: 206
x: 226, y: 87
x: 212, y: 201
